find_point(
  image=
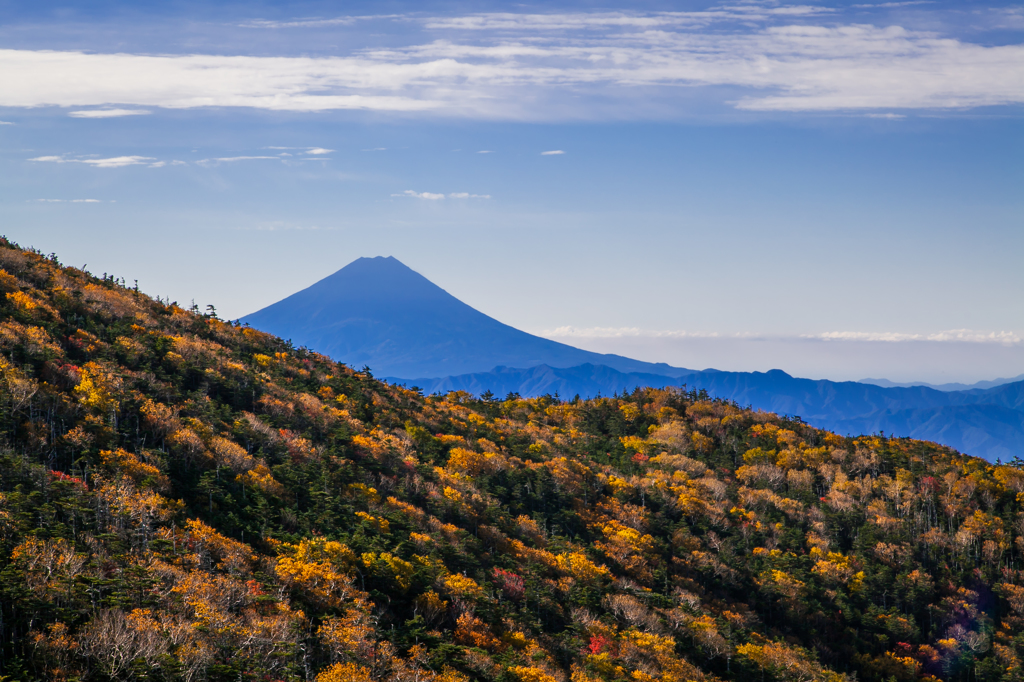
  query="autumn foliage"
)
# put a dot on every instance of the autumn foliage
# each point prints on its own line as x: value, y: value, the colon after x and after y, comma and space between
x: 182, y: 498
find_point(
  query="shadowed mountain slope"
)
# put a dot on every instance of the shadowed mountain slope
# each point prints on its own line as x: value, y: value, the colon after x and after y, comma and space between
x: 585, y: 380
x: 986, y: 423
x: 986, y: 430
x: 380, y: 313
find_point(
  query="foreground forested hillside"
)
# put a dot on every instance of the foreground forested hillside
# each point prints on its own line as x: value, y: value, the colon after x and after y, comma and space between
x: 185, y: 499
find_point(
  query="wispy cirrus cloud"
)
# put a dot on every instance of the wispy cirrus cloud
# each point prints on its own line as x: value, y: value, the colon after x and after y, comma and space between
x: 232, y: 159
x: 553, y: 152
x: 69, y: 201
x: 313, y: 22
x: 429, y: 196
x: 594, y: 21
x: 436, y: 196
x: 111, y: 162
x: 108, y: 113
x: 316, y: 151
x: 1009, y: 18
x: 792, y: 58
x: 891, y: 5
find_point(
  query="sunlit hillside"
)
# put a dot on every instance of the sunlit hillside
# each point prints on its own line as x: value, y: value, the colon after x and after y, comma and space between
x: 182, y: 498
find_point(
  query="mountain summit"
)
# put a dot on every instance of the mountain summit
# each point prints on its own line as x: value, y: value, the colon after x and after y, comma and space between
x: 381, y: 313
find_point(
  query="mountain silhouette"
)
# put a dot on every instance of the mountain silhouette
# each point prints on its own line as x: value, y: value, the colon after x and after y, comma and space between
x: 380, y: 313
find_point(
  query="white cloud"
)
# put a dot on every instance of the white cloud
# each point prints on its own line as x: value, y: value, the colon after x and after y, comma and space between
x: 889, y: 116
x: 313, y: 22
x: 429, y: 196
x: 318, y: 150
x: 889, y: 5
x: 40, y: 78
x: 593, y: 21
x: 229, y: 159
x: 1009, y: 18
x: 113, y: 162
x: 107, y: 113
x: 505, y: 21
x: 117, y: 161
x: 70, y: 201
x: 485, y: 151
x: 951, y: 335
x: 376, y: 149
x: 299, y: 23
x: 436, y: 196
x: 553, y: 152
x: 570, y: 65
x: 6, y: 123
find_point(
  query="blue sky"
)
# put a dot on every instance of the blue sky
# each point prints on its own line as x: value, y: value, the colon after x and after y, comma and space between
x: 833, y: 189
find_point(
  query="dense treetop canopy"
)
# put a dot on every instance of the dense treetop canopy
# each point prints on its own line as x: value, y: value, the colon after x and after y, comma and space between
x: 183, y: 498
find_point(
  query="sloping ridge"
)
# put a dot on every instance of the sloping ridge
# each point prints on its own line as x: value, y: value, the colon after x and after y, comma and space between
x: 381, y: 313
x: 984, y: 422
x: 586, y: 380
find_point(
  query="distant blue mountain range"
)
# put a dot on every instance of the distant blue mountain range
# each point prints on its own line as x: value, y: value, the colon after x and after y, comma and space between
x: 984, y: 422
x: 885, y: 383
x: 379, y: 313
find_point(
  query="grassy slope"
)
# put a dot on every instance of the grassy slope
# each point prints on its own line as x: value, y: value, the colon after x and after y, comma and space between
x: 181, y: 498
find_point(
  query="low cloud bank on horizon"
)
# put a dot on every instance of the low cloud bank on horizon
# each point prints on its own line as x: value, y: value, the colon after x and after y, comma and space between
x: 948, y: 336
x: 481, y: 65
x: 961, y: 355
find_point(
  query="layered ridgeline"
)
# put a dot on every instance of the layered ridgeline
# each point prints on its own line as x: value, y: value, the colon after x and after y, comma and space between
x: 182, y: 498
x: 987, y: 423
x: 378, y: 312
